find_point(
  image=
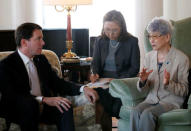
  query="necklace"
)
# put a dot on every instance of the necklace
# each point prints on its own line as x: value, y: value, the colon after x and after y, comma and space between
x: 113, y: 44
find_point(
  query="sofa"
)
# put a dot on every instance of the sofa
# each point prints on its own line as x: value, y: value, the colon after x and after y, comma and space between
x: 84, y: 112
x: 126, y: 90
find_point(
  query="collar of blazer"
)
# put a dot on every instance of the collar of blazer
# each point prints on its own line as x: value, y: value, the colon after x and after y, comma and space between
x: 168, y: 60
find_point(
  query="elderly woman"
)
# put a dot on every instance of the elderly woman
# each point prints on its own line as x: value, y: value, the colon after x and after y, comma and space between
x: 116, y: 55
x: 164, y: 76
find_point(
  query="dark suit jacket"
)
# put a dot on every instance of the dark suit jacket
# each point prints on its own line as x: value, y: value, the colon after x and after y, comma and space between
x: 14, y: 80
x: 127, y: 57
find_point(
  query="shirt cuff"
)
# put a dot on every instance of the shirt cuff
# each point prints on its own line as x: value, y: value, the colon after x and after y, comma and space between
x: 39, y: 99
x: 82, y: 88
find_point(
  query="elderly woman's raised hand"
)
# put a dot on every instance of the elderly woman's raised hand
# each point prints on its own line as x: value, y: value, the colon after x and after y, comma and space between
x: 166, y: 77
x: 143, y: 75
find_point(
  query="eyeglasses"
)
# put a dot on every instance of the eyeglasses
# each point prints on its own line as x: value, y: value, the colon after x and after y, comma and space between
x: 113, y: 31
x: 153, y: 36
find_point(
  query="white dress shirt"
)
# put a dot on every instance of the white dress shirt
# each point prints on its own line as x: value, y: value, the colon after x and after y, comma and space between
x: 26, y: 59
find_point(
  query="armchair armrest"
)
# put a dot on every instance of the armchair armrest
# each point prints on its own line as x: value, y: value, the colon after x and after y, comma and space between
x: 126, y: 90
x: 176, y: 117
x: 189, y: 102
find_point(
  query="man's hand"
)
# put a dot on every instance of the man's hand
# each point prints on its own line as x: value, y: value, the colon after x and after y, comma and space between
x: 94, y: 77
x: 166, y: 77
x: 58, y: 102
x: 91, y: 94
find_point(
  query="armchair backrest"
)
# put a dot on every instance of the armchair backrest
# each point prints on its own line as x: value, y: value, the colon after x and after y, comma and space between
x: 53, y: 60
x: 181, y: 39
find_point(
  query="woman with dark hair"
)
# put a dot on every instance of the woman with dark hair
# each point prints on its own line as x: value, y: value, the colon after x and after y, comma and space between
x: 116, y: 52
x: 116, y: 55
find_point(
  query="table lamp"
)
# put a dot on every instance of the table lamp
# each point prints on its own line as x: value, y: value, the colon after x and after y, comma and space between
x: 69, y: 5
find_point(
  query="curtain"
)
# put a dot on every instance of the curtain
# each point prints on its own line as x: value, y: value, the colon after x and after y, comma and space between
x: 145, y: 11
x: 15, y: 12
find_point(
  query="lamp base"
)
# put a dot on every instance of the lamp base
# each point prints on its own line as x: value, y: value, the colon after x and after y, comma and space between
x: 69, y: 55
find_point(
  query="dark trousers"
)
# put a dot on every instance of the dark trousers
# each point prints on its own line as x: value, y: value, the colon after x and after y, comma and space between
x: 25, y: 111
x: 64, y: 122
x: 111, y: 104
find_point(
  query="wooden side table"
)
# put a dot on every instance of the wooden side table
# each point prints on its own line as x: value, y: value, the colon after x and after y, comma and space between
x: 76, y: 72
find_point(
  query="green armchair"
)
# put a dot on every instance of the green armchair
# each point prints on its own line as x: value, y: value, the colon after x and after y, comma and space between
x: 175, y: 120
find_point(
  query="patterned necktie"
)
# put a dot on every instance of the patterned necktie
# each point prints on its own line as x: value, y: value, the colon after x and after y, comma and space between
x: 34, y: 79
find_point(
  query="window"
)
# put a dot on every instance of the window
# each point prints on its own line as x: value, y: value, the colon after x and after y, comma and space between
x: 90, y: 16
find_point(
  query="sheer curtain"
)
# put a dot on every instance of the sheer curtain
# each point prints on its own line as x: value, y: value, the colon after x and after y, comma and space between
x: 145, y: 11
x: 90, y: 16
x: 16, y: 12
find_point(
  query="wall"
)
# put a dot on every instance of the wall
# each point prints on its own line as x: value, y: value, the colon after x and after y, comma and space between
x: 15, y: 12
x: 6, y: 14
x: 177, y: 9
x: 145, y: 11
x: 184, y: 9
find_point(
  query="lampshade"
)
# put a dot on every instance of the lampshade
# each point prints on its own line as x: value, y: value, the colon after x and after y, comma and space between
x: 67, y: 2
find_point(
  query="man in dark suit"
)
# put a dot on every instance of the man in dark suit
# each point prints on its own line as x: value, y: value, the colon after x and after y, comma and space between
x: 24, y: 92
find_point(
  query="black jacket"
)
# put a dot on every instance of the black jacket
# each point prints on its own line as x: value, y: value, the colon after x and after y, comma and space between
x: 15, y: 81
x: 127, y: 57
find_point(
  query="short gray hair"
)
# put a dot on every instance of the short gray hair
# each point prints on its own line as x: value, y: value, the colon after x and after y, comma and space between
x: 159, y: 25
